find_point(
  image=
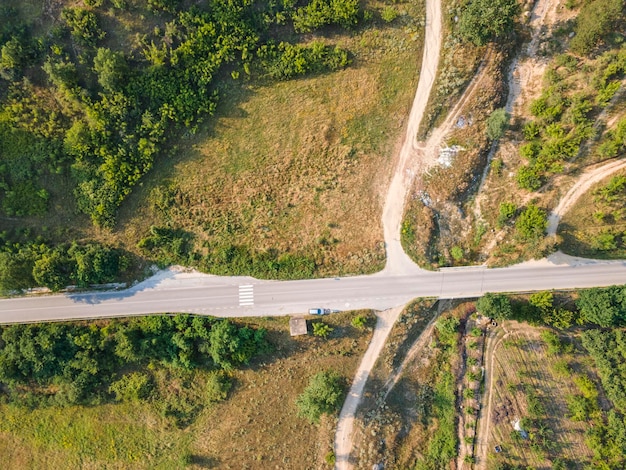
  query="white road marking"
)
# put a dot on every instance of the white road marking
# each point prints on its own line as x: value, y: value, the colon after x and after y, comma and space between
x: 246, y: 295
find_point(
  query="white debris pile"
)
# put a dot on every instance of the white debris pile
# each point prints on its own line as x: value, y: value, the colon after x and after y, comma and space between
x: 447, y: 154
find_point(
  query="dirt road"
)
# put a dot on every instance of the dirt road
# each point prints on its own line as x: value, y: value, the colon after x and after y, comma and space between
x: 409, y: 162
x: 584, y: 183
x: 343, y: 436
x: 397, y: 261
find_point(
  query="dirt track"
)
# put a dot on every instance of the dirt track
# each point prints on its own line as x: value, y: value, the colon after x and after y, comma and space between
x: 582, y: 185
x: 410, y: 160
x: 397, y: 261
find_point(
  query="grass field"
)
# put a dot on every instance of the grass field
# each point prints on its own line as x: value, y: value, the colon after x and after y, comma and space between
x: 257, y: 426
x: 298, y: 167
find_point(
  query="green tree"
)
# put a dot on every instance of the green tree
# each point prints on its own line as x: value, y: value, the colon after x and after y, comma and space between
x: 495, y: 306
x: 12, y: 58
x: 603, y: 306
x: 482, y: 21
x: 447, y: 329
x: 83, y: 24
x: 53, y: 270
x: 531, y: 223
x: 111, y: 68
x: 323, y: 395
x: 16, y: 272
x: 497, y: 123
x: 596, y: 20
x: 230, y: 345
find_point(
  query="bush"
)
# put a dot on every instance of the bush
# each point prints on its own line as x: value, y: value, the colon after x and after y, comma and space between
x: 482, y: 21
x: 497, y: 124
x: 389, y: 14
x: 319, y: 13
x: 323, y: 395
x: 321, y: 329
x: 532, y: 223
x: 217, y: 386
x: 360, y: 322
x: 132, y: 387
x: 595, y: 21
x: 506, y: 212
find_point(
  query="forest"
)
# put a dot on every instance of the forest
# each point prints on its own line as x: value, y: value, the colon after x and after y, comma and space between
x: 78, y: 109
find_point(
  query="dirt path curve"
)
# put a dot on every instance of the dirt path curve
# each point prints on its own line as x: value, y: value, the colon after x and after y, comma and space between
x: 409, y: 158
x: 582, y: 185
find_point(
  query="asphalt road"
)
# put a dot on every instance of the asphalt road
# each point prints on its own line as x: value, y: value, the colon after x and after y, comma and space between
x: 244, y: 296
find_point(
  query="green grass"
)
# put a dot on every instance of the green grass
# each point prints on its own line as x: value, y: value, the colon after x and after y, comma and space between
x: 120, y: 435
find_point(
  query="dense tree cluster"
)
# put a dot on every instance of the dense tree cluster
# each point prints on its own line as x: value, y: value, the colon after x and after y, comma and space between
x: 69, y: 105
x: 607, y: 438
x: 482, y: 21
x: 37, y: 264
x: 63, y: 363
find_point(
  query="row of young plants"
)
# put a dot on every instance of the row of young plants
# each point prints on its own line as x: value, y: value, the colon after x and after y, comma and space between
x: 602, y: 312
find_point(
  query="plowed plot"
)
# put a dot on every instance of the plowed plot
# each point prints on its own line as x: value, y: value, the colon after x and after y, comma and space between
x: 528, y: 388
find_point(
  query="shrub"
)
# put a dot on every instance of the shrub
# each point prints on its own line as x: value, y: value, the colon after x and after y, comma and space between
x: 360, y: 322
x: 482, y: 21
x: 595, y: 20
x: 457, y: 253
x: 217, y: 386
x: 532, y: 223
x: 321, y: 329
x: 389, y: 14
x: 319, y: 13
x: 323, y: 395
x: 132, y: 387
x: 497, y: 124
x: 506, y: 212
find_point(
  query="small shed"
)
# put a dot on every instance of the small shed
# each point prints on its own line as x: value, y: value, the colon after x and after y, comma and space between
x: 297, y: 326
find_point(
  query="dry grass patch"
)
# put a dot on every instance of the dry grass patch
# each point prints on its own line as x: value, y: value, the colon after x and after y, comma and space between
x: 258, y: 425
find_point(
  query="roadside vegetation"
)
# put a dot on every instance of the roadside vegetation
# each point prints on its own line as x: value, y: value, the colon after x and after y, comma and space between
x: 172, y: 392
x: 159, y: 128
x: 570, y: 122
x: 472, y: 66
